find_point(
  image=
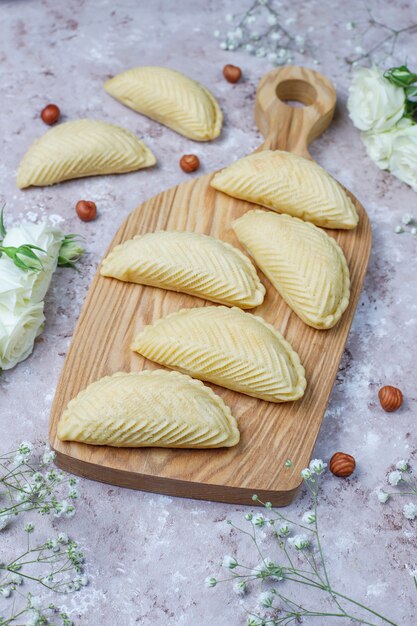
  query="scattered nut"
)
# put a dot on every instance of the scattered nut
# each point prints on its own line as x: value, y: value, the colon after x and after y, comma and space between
x: 342, y: 464
x: 86, y: 210
x: 189, y: 163
x: 390, y: 398
x: 50, y: 114
x: 232, y: 73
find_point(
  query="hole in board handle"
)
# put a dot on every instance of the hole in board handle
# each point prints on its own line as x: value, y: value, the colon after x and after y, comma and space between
x: 296, y: 93
x: 294, y: 103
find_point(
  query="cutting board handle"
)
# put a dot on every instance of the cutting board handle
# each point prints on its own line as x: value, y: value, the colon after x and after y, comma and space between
x: 287, y: 127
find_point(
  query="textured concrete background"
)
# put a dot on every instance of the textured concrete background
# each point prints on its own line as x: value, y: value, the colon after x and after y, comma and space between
x: 148, y: 554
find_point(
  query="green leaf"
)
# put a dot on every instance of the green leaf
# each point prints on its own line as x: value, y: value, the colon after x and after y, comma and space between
x: 411, y: 91
x: 410, y: 109
x: 24, y: 256
x: 400, y: 76
x: 3, y: 230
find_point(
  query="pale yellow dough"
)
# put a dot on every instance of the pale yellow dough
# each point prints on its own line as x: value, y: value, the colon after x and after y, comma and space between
x: 188, y: 262
x: 287, y: 183
x: 170, y: 98
x: 82, y: 148
x: 149, y: 409
x: 305, y: 264
x: 227, y: 347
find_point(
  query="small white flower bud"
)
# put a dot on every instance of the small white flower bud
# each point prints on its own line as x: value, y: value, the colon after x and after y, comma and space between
x: 229, y: 562
x: 394, y: 477
x: 317, y: 466
x: 410, y: 510
x: 259, y: 520
x: 309, y: 517
x: 383, y: 496
x: 299, y: 542
x: 402, y: 465
x: 266, y: 599
x: 239, y: 587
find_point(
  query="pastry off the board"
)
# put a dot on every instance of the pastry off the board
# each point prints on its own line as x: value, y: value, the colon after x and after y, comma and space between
x: 288, y: 183
x: 149, y: 409
x: 196, y: 264
x: 170, y: 98
x: 227, y: 347
x: 82, y: 148
x: 306, y: 266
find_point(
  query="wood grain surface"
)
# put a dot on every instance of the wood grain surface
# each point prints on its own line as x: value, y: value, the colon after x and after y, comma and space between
x: 114, y: 312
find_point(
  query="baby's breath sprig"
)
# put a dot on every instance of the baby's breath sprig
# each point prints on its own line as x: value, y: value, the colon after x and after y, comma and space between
x: 300, y: 561
x: 36, y: 613
x: 29, y: 482
x: 386, y: 40
x: 55, y: 564
x: 408, y: 225
x: 262, y: 32
x: 406, y: 485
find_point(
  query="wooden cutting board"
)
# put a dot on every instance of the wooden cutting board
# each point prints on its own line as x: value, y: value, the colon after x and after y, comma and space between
x: 114, y: 312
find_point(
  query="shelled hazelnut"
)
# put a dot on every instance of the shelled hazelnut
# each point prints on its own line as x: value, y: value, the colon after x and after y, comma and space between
x: 86, y: 210
x: 232, y: 73
x: 50, y: 114
x: 189, y: 163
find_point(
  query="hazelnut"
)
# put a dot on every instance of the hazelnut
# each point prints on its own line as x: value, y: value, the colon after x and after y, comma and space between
x: 232, y: 73
x: 390, y: 398
x: 189, y: 163
x: 50, y: 114
x: 86, y: 210
x: 342, y: 464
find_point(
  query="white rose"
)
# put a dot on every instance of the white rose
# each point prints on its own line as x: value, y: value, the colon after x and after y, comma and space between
x: 403, y: 163
x: 374, y: 103
x: 18, y: 331
x: 12, y: 291
x: 32, y: 285
x: 379, y: 145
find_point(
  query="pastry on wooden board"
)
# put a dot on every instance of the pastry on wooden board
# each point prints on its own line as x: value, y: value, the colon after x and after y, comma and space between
x: 82, y: 148
x: 196, y: 264
x: 288, y: 183
x: 171, y: 98
x: 227, y: 347
x: 306, y: 266
x: 149, y: 409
